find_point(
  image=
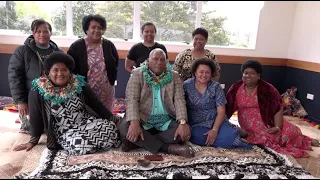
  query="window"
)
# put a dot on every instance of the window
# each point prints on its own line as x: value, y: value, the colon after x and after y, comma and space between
x: 119, y: 16
x: 231, y: 23
x: 16, y: 16
x: 175, y: 20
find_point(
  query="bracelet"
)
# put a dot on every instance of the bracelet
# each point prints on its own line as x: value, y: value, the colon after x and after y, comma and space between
x: 213, y: 129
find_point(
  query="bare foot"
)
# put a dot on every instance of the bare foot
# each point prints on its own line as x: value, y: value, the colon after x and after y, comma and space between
x: 315, y: 142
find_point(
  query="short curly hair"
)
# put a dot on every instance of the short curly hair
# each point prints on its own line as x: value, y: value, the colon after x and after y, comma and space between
x: 200, y: 31
x: 87, y: 19
x: 254, y: 64
x: 58, y: 57
x: 37, y: 22
x: 148, y: 24
x: 203, y: 61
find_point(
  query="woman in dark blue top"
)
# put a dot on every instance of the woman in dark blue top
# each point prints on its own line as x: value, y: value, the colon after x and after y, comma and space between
x: 140, y: 51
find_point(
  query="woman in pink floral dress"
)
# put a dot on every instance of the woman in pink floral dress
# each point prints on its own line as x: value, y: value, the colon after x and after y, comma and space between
x: 260, y: 114
x: 96, y: 59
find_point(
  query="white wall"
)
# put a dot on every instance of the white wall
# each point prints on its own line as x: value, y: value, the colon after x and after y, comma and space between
x: 274, y: 33
x: 273, y: 38
x: 305, y: 39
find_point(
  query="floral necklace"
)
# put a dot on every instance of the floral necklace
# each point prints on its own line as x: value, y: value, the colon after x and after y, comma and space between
x: 154, y: 80
x: 58, y: 94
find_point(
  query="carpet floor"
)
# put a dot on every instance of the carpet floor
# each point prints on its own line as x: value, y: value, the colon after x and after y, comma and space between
x: 21, y: 163
x: 208, y: 163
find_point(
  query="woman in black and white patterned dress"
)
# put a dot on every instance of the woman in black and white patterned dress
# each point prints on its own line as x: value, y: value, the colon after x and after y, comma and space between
x: 65, y: 107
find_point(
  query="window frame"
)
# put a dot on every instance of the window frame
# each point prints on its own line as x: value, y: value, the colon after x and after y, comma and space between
x: 124, y: 44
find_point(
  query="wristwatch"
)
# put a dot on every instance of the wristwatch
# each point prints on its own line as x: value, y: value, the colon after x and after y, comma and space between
x: 182, y: 121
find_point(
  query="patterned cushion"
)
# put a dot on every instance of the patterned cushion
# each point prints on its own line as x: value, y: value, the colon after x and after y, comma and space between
x: 292, y: 105
x: 5, y: 102
x: 119, y: 105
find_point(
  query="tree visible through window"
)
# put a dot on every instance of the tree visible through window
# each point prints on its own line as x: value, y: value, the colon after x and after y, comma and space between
x: 175, y: 20
x: 9, y: 18
x: 119, y: 16
x: 218, y: 35
x: 232, y: 24
x: 79, y: 9
x: 16, y: 16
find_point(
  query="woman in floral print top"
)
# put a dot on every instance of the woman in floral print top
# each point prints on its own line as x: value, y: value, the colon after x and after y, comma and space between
x: 185, y: 59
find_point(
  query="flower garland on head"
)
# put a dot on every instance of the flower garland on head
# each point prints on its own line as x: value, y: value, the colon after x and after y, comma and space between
x: 58, y: 94
x: 154, y: 80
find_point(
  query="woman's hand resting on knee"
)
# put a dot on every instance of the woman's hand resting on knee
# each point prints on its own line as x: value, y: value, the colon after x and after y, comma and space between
x: 212, y: 136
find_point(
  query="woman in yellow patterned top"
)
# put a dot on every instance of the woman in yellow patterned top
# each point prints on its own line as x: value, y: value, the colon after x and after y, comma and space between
x: 184, y: 59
